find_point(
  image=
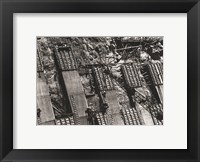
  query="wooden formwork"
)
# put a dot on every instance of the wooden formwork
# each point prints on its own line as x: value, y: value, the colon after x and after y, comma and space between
x: 76, y: 95
x: 44, y: 101
x: 131, y: 75
x: 103, y: 81
x: 66, y: 59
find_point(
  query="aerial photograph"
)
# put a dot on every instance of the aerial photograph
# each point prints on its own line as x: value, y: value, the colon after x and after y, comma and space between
x: 99, y: 80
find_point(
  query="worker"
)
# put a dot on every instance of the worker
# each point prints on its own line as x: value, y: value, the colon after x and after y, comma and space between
x: 105, y: 107
x: 118, y: 57
x: 38, y: 112
x: 104, y: 94
x: 159, y: 115
x: 144, y: 56
x: 39, y: 75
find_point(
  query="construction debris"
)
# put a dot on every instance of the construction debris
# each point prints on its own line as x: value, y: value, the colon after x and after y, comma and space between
x: 100, y: 80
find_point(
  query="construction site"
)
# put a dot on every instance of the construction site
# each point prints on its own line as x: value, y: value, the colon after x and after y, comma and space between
x: 100, y: 80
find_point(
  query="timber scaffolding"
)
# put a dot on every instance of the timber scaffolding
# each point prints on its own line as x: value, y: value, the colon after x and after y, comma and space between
x: 102, y: 80
x: 72, y: 89
x: 154, y: 77
x: 153, y: 109
x: 131, y: 116
x: 132, y: 80
x: 131, y: 76
x: 107, y: 93
x: 153, y: 74
x: 156, y: 73
x: 66, y: 59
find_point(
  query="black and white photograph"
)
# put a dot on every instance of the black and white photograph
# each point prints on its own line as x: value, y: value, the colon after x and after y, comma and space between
x: 99, y: 80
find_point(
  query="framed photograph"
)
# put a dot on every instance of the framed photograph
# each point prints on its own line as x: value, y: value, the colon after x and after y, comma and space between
x: 99, y: 80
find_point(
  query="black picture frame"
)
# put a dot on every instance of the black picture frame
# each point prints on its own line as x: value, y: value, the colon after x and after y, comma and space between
x: 8, y: 7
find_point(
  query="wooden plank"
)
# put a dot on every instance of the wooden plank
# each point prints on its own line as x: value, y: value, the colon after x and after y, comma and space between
x: 74, y: 88
x: 121, y: 49
x: 44, y: 101
x: 117, y: 119
x: 83, y: 120
x: 72, y: 82
x: 145, y: 115
x: 111, y: 98
x: 49, y: 123
x: 80, y: 103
